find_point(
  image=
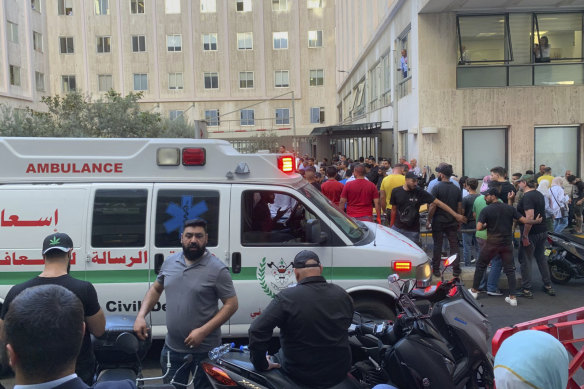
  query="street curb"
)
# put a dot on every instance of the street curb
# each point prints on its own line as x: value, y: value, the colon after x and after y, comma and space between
x: 467, y: 277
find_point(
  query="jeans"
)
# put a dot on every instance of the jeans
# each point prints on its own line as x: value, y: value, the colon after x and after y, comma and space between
x: 414, y: 236
x: 469, y: 246
x: 176, y: 361
x: 438, y: 238
x: 491, y: 283
x: 535, y: 251
x: 490, y: 250
x: 560, y: 223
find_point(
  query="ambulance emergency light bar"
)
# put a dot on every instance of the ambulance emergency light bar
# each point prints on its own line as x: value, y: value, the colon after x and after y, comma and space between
x: 170, y: 156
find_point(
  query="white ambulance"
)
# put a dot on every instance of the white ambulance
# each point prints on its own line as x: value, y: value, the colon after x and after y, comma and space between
x: 123, y: 202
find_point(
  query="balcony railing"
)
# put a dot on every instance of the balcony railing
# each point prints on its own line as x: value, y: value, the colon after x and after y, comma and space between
x: 477, y: 76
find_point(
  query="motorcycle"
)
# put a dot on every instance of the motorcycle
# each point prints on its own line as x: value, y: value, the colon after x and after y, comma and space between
x: 119, y: 355
x: 565, y: 256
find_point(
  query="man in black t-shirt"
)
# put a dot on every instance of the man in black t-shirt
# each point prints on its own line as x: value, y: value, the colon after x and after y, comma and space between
x: 443, y: 223
x: 533, y: 238
x: 405, y: 211
x: 57, y: 249
x: 498, y: 174
x: 498, y: 218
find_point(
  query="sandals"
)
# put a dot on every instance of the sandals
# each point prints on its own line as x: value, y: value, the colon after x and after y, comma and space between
x: 526, y: 293
x: 549, y: 291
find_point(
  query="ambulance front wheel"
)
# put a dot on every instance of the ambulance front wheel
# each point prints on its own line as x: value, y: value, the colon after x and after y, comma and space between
x: 373, y: 307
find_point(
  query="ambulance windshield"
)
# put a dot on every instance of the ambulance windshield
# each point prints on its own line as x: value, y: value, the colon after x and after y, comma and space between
x: 345, y: 223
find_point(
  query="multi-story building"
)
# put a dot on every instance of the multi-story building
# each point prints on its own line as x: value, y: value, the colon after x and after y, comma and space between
x: 23, y: 54
x: 247, y: 67
x: 488, y: 83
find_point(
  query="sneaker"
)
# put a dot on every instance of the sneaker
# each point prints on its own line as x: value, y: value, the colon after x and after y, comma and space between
x: 525, y: 293
x: 473, y: 260
x: 549, y: 291
x: 510, y: 301
x: 475, y: 295
x: 495, y: 293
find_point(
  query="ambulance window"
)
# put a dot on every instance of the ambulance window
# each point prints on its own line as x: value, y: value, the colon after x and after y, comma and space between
x: 119, y: 218
x: 274, y: 218
x: 173, y: 207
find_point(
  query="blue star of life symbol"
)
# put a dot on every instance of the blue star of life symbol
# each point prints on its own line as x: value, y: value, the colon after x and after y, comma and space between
x: 182, y: 213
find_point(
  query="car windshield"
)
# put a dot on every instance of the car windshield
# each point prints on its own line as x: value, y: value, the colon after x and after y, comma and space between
x: 345, y: 223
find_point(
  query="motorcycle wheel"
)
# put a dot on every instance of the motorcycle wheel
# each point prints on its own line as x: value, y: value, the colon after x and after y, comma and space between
x: 560, y: 273
x: 374, y: 309
x: 483, y: 377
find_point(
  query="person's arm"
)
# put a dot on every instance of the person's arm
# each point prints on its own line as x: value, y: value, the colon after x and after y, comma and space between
x: 151, y: 298
x: 481, y: 226
x: 377, y: 208
x: 393, y: 215
x: 260, y: 333
x: 526, y: 221
x: 458, y: 216
x: 96, y: 323
x: 431, y: 210
x: 342, y: 203
x: 459, y: 207
x: 382, y: 200
x: 197, y: 335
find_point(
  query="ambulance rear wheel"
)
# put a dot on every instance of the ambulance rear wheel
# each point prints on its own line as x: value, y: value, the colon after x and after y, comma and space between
x: 374, y: 308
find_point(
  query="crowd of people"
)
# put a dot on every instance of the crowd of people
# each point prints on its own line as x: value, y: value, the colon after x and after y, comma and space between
x: 486, y: 214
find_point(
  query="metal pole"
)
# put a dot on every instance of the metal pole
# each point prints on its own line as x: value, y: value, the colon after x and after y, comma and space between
x: 294, y: 123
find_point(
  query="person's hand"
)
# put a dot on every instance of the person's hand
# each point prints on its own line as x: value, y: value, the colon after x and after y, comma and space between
x: 428, y: 225
x: 579, y: 202
x: 538, y: 219
x: 525, y: 241
x: 378, y: 219
x: 510, y: 195
x: 460, y: 218
x: 272, y: 364
x: 141, y: 328
x: 281, y: 212
x: 195, y: 338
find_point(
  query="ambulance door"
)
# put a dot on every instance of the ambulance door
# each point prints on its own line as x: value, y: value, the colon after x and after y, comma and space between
x: 265, y: 241
x: 118, y: 255
x: 172, y: 205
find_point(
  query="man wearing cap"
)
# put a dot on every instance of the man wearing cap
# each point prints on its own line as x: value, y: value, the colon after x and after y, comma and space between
x: 313, y: 318
x: 57, y: 251
x: 405, y: 211
x: 497, y: 218
x: 194, y: 280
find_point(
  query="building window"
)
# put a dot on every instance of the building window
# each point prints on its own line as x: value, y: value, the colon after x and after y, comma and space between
x: 282, y: 79
x: 359, y: 102
x: 37, y: 41
x: 317, y: 77
x: 141, y: 81
x: 176, y: 114
x: 475, y: 142
x: 14, y: 75
x: 39, y: 81
x: 312, y: 4
x: 12, y: 32
x: 247, y: 117
x: 210, y: 42
x: 282, y: 116
x: 104, y: 44
x: 317, y: 115
x: 137, y: 6
x: 104, y: 82
x: 386, y: 73
x: 65, y: 7
x: 280, y: 40
x: 557, y: 147
x: 66, y: 45
x: 279, y: 5
x: 315, y: 38
x: 245, y: 80
x: 208, y: 6
x: 555, y: 37
x: 483, y: 39
x: 68, y: 84
x: 138, y: 43
x: 175, y: 81
x: 174, y: 42
x: 245, y: 40
x: 102, y: 7
x: 172, y: 6
x: 35, y: 5
x: 212, y: 117
x: 243, y: 5
x: 211, y: 80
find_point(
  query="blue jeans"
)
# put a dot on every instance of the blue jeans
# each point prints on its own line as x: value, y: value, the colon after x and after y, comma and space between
x: 491, y: 282
x: 560, y: 224
x: 469, y: 246
x: 176, y: 361
x: 414, y: 236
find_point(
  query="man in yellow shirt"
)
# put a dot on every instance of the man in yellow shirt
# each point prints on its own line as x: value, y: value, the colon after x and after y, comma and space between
x: 547, y: 175
x: 393, y: 180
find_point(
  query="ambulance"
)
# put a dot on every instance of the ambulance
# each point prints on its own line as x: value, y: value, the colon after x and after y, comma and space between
x: 124, y: 201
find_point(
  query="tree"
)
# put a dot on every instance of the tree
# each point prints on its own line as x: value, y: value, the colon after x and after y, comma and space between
x: 75, y: 115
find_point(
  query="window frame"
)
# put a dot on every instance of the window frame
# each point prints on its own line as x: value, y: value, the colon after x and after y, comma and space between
x: 62, y: 9
x: 14, y: 75
x: 138, y: 38
x: 178, y: 113
x: 67, y: 39
x: 175, y: 75
x: 243, y: 37
x: 142, y: 77
x: 36, y: 41
x: 247, y: 119
x: 466, y: 130
x: 99, y: 78
x: 507, y: 45
x: 211, y: 75
x: 280, y: 40
x: 285, y: 118
x: 66, y: 80
x: 39, y: 76
x: 212, y: 121
x: 576, y: 128
x: 172, y: 5
x: 214, y: 7
x: 309, y: 6
x: 12, y: 32
x: 535, y: 33
x: 246, y: 6
x: 173, y: 49
x: 109, y: 45
x: 38, y: 7
x: 99, y: 7
x: 247, y: 80
x: 279, y: 5
x: 137, y: 7
x: 287, y: 72
x: 210, y: 44
x: 320, y: 115
x: 316, y: 78
x: 315, y: 45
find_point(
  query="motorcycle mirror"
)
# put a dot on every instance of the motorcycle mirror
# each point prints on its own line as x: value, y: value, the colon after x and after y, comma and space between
x: 393, y: 278
x: 449, y: 261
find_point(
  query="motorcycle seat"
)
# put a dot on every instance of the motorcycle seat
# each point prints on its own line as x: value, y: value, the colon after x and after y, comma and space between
x: 116, y: 375
x: 569, y: 238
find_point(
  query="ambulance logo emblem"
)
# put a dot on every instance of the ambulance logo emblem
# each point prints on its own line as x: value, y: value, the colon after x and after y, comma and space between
x: 274, y: 276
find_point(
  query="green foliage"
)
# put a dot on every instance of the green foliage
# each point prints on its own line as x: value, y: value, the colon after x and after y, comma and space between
x: 75, y: 115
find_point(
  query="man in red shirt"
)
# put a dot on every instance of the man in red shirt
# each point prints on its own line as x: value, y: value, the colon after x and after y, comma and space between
x: 332, y: 188
x: 359, y: 195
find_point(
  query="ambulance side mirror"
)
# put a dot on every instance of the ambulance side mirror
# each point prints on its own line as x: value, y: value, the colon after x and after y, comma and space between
x: 313, y: 232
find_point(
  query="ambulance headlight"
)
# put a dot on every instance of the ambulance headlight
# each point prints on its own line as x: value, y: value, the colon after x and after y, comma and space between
x: 168, y: 156
x: 423, y: 275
